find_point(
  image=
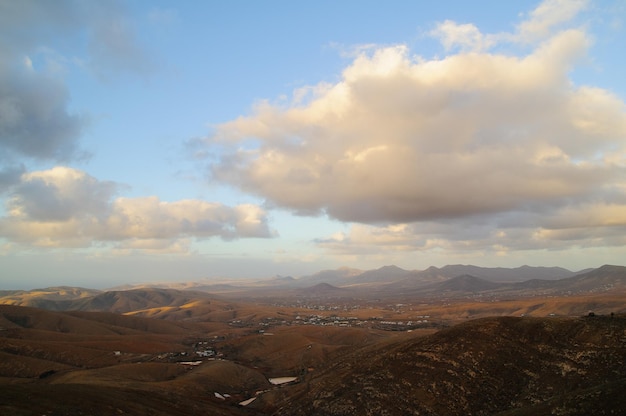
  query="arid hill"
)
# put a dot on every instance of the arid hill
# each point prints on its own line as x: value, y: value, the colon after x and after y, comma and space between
x: 323, y: 289
x: 73, y: 363
x: 395, y: 342
x: 503, y: 366
x: 447, y: 301
x: 51, y: 298
x: 386, y: 283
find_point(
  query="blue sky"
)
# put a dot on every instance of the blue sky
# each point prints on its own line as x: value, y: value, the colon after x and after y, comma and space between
x: 149, y: 141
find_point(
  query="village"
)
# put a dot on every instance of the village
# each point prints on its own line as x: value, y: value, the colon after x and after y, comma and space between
x: 420, y: 321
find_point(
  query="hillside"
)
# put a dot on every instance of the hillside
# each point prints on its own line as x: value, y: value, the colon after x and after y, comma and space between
x: 52, y: 298
x: 466, y: 283
x: 322, y: 289
x: 97, y: 363
x: 416, y: 278
x: 502, y: 274
x: 505, y: 366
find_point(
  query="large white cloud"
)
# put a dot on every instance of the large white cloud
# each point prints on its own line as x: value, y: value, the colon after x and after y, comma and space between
x: 400, y: 139
x: 507, y: 141
x: 67, y: 207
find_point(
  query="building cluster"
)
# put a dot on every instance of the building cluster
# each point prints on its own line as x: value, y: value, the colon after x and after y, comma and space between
x: 422, y: 321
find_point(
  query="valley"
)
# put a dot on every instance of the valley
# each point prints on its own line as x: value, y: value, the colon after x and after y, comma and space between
x: 388, y: 342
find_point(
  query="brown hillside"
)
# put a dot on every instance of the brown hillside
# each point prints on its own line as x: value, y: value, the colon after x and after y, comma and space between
x: 291, y: 351
x: 522, y: 366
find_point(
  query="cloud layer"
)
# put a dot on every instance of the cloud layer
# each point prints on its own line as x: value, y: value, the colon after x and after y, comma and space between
x: 35, y: 121
x: 407, y: 144
x: 401, y: 140
x: 67, y: 207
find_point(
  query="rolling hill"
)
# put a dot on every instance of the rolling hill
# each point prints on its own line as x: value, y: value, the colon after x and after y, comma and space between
x: 97, y: 363
x: 249, y: 303
x: 504, y: 366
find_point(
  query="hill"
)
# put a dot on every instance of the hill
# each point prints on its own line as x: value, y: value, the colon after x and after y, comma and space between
x: 46, y: 298
x: 466, y: 284
x: 322, y: 289
x: 66, y: 363
x: 416, y: 278
x: 505, y: 366
x: 255, y: 303
x: 71, y: 363
x: 502, y: 274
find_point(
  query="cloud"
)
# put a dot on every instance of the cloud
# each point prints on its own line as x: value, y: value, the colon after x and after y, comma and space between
x: 547, y: 16
x: 541, y: 23
x: 60, y: 194
x: 598, y: 225
x: 477, y: 150
x: 114, y: 47
x: 400, y: 139
x: 9, y: 176
x: 35, y: 120
x: 465, y: 36
x: 67, y: 207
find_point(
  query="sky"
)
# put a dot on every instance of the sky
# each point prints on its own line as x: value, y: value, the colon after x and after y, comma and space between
x: 181, y: 140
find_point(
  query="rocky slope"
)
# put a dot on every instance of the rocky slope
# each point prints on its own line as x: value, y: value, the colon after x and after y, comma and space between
x: 506, y: 366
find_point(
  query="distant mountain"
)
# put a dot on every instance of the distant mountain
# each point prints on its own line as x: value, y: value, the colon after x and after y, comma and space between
x: 412, y: 279
x: 601, y: 279
x: 335, y: 277
x: 322, y: 289
x: 384, y: 282
x: 467, y: 283
x: 501, y: 274
x: 432, y: 283
x: 385, y: 274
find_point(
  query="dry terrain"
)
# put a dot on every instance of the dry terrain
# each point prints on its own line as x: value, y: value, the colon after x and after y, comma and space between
x: 343, y: 342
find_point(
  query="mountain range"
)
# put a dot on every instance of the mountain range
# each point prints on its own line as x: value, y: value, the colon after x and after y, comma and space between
x: 457, y: 340
x: 383, y: 283
x: 98, y: 363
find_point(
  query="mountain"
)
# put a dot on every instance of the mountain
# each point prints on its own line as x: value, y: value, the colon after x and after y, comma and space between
x: 336, y: 277
x: 62, y: 363
x: 100, y: 363
x: 400, y: 278
x: 600, y: 279
x: 467, y: 283
x: 501, y: 274
x: 84, y: 323
x: 385, y: 274
x: 388, y: 282
x: 47, y: 298
x: 504, y: 366
x: 322, y: 289
x: 92, y: 300
x: 603, y: 279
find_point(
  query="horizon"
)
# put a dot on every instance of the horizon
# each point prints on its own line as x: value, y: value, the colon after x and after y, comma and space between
x: 151, y: 141
x: 170, y: 284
